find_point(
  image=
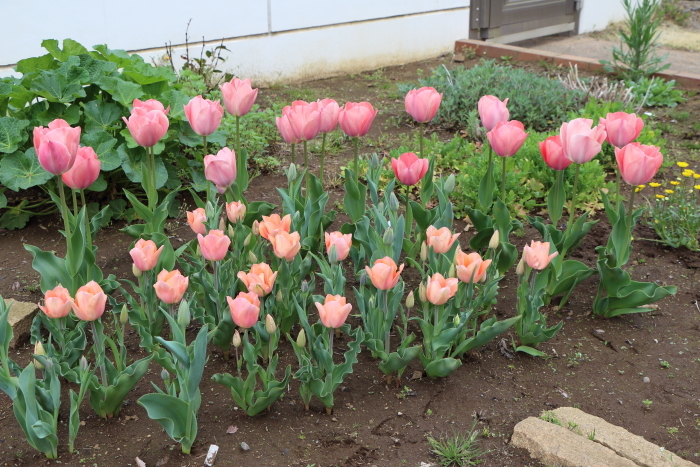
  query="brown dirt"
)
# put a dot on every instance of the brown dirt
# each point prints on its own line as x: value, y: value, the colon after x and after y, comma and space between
x: 376, y: 425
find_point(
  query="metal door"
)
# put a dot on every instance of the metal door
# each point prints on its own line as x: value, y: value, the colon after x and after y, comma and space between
x: 507, y: 21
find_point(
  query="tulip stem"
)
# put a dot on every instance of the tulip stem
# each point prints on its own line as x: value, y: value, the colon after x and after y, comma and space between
x: 323, y: 156
x: 151, y: 190
x: 558, y: 185
x: 357, y: 163
x: 64, y: 209
x: 204, y: 142
x: 293, y: 158
x: 238, y: 134
x: 88, y: 233
x: 618, y: 198
x: 99, y: 354
x: 387, y: 332
x: 331, y: 333
x: 306, y: 167
x: 420, y: 140
x: 572, y: 211
x: 409, y: 217
x: 75, y: 203
x: 215, y: 267
x: 629, y: 214
x: 503, y: 181
x: 238, y: 362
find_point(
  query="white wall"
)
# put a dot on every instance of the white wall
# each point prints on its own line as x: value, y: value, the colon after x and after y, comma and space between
x: 596, y: 15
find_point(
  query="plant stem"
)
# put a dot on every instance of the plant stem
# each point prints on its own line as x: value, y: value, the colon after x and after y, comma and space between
x: 64, y: 208
x: 572, y: 211
x: 323, y: 156
x: 215, y: 267
x: 88, y: 233
x: 293, y: 159
x: 238, y: 134
x: 420, y: 140
x: 387, y: 332
x: 75, y: 203
x: 408, y: 229
x: 618, y: 200
x: 629, y: 214
x: 100, y: 355
x: 331, y: 333
x: 503, y: 181
x: 306, y: 157
x: 357, y: 163
x: 204, y: 142
x: 558, y: 185
x: 238, y: 363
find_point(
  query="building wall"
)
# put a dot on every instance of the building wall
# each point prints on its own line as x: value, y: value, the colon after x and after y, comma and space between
x: 596, y: 15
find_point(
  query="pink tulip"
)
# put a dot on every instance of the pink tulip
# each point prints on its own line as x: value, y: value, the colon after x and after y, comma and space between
x: 171, y: 286
x: 148, y: 122
x: 471, y: 267
x: 330, y: 110
x: 334, y: 311
x: 286, y: 245
x: 145, y: 254
x: 384, y: 274
x: 579, y: 141
x: 507, y: 137
x: 409, y: 169
x: 196, y: 220
x: 638, y: 162
x: 356, y: 118
x: 273, y: 224
x: 239, y: 96
x: 285, y: 129
x: 245, y: 309
x: 235, y: 211
x: 56, y: 146
x: 439, y: 290
x: 622, y: 128
x: 57, y: 302
x: 204, y: 115
x: 492, y: 111
x: 215, y: 245
x: 440, y: 239
x: 221, y: 169
x: 305, y: 120
x: 259, y: 280
x: 89, y: 302
x: 85, y: 170
x: 423, y: 103
x: 553, y: 153
x: 342, y: 243
x: 537, y: 255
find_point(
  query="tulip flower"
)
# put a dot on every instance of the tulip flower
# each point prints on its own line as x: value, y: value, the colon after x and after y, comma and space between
x: 553, y: 153
x: 356, y: 118
x: 507, y: 137
x: 56, y: 147
x: 215, y: 245
x: 204, y: 115
x: 170, y: 286
x: 638, y: 163
x: 85, y: 170
x: 409, y: 169
x: 471, y: 268
x: 57, y: 302
x: 220, y: 169
x: 150, y: 104
x: 148, y: 122
x: 145, y: 254
x: 440, y: 239
x: 579, y: 141
x: 330, y: 110
x: 621, y: 128
x: 235, y: 211
x: 286, y: 245
x: 274, y: 224
x: 239, y: 96
x: 89, y: 302
x: 285, y: 129
x: 537, y: 255
x: 422, y: 104
x: 245, y: 309
x: 384, y: 274
x: 342, y: 243
x: 196, y: 220
x: 259, y: 280
x: 305, y: 119
x: 334, y: 311
x: 439, y: 290
x: 492, y: 111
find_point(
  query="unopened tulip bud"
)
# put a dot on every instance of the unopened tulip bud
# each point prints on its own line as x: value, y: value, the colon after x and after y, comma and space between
x: 164, y: 375
x: 199, y: 251
x: 388, y: 238
x: 363, y: 279
x: 291, y: 173
x: 456, y: 320
x: 279, y: 296
x: 424, y: 252
x: 236, y: 341
x: 270, y: 325
x: 83, y: 364
x: 231, y: 232
x: 124, y: 315
x: 222, y: 224
x: 380, y: 206
x: 295, y: 218
x: 410, y: 301
x: 246, y: 242
x: 301, y: 339
x: 252, y: 258
x: 304, y: 286
x: 372, y: 302
x: 256, y: 228
x: 449, y: 185
x: 452, y: 272
x: 333, y: 255
x: 422, y: 293
x: 183, y: 314
x: 393, y: 202
x: 495, y: 240
x: 136, y: 271
x: 39, y: 350
x: 374, y: 161
x: 521, y: 267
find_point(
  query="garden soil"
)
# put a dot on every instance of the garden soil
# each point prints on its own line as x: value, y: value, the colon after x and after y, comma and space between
x: 606, y: 367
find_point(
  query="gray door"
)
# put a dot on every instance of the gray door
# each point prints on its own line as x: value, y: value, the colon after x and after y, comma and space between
x: 507, y: 21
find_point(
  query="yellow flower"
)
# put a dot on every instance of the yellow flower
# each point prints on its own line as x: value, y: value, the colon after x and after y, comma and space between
x: 687, y: 173
x: 675, y: 183
x: 654, y: 185
x: 696, y: 175
x: 668, y: 191
x: 697, y: 187
x: 656, y: 222
x: 682, y: 164
x: 660, y: 196
x: 637, y: 190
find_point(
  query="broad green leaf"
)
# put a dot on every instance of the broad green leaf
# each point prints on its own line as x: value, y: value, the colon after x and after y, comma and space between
x: 177, y: 101
x: 12, y: 134
x: 69, y: 113
x: 54, y: 86
x: 98, y: 185
x: 14, y: 218
x: 104, y: 146
x: 70, y: 47
x: 122, y: 91
x: 45, y: 62
x: 101, y: 115
x: 95, y: 68
x: 3, y: 200
x: 21, y: 170
x: 145, y: 73
x: 133, y: 164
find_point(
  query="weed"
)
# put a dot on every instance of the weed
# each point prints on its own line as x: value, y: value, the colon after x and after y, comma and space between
x: 647, y: 404
x: 672, y: 430
x: 457, y: 449
x: 591, y: 435
x: 665, y: 364
x: 549, y: 416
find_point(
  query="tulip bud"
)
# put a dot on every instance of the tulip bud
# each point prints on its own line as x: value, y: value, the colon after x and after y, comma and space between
x: 304, y: 286
x: 449, y: 185
x: 410, y: 301
x: 380, y: 206
x: 456, y: 321
x: 252, y: 258
x: 424, y: 252
x: 452, y: 272
x: 495, y: 240
x: 39, y: 350
x: 246, y: 242
x: 279, y: 296
x: 388, y: 238
x: 374, y: 161
x: 301, y: 339
x: 84, y: 364
x: 295, y: 218
x: 135, y: 271
x: 270, y: 326
x: 256, y: 228
x: 422, y: 293
x: 521, y: 267
x: 393, y: 202
x: 232, y: 232
x: 124, y: 315
x: 183, y: 314
x: 363, y: 279
x: 333, y: 255
x: 222, y: 224
x: 372, y: 302
x: 164, y: 375
x: 236, y: 341
x: 291, y: 173
x: 199, y: 251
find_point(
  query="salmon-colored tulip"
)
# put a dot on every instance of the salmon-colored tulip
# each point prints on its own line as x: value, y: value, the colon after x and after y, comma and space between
x: 384, y: 274
x: 220, y: 169
x: 409, y: 169
x: 56, y: 146
x: 259, y: 280
x: 439, y: 290
x: 305, y: 120
x: 638, y: 162
x: 423, y: 103
x: 204, y: 115
x: 507, y: 137
x: 170, y: 286
x: 145, y: 254
x: 215, y: 245
x: 239, y: 96
x: 471, y: 267
x: 356, y: 118
x: 330, y: 110
x: 148, y: 122
x: 440, y: 239
x: 621, y: 128
x: 537, y: 255
x: 286, y: 245
x: 579, y: 141
x: 196, y: 220
x: 85, y: 170
x: 553, y: 153
x: 273, y: 224
x: 342, y: 243
x: 57, y: 302
x: 89, y: 302
x: 285, y: 129
x: 235, y: 211
x: 492, y: 111
x: 245, y: 309
x: 334, y: 311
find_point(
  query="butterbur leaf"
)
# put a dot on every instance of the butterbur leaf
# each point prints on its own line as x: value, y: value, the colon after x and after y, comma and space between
x: 56, y: 87
x: 14, y: 218
x: 69, y: 113
x: 70, y: 47
x: 12, y: 134
x: 105, y: 149
x: 21, y: 170
x: 101, y: 115
x: 122, y: 91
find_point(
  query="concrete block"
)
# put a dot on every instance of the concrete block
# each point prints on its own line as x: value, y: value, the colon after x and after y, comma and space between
x: 20, y: 318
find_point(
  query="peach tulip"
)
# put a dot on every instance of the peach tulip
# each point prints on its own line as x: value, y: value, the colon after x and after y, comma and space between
x: 196, y: 220
x: 286, y: 245
x: 89, y: 302
x: 145, y: 254
x: 621, y: 128
x: 305, y: 119
x: 638, y: 162
x: 553, y: 153
x: 204, y: 115
x: 171, y: 286
x: 422, y: 104
x: 471, y: 267
x: 384, y: 274
x: 537, y: 255
x: 215, y: 245
x: 439, y: 290
x: 334, y: 311
x: 342, y: 243
x: 148, y: 122
x: 235, y: 211
x: 579, y: 141
x: 239, y: 96
x: 259, y: 280
x: 507, y: 137
x: 356, y: 118
x: 330, y: 110
x: 440, y: 239
x: 274, y: 224
x: 56, y: 146
x: 85, y: 170
x: 220, y: 169
x: 492, y: 111
x: 409, y: 169
x: 57, y: 302
x: 245, y: 309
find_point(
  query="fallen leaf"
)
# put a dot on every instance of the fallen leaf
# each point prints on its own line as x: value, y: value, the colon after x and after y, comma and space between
x: 232, y: 429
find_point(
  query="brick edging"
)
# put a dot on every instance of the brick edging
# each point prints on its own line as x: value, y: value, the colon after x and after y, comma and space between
x: 492, y: 50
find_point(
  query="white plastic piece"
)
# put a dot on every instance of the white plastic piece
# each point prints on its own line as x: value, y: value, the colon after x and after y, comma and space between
x: 211, y: 455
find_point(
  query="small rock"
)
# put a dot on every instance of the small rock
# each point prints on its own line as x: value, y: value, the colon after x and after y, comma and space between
x: 285, y: 451
x: 399, y: 413
x: 82, y: 422
x: 211, y: 455
x: 646, y: 380
x: 334, y: 419
x: 245, y: 447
